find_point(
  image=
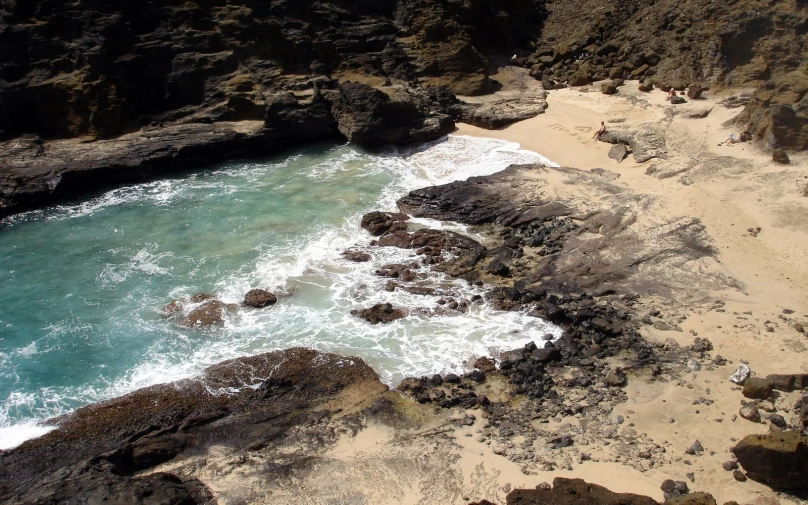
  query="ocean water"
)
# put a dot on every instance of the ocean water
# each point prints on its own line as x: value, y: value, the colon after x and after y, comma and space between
x: 82, y: 285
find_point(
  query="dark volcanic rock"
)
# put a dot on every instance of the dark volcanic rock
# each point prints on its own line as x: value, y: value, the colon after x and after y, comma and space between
x: 357, y: 256
x: 209, y: 313
x: 789, y: 382
x: 96, y: 449
x: 779, y: 459
x: 380, y: 223
x: 260, y: 298
x: 780, y: 156
x: 575, y: 492
x: 380, y: 313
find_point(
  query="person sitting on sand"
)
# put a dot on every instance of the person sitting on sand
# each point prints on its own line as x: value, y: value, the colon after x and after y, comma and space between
x: 731, y: 140
x: 671, y: 94
x: 600, y: 131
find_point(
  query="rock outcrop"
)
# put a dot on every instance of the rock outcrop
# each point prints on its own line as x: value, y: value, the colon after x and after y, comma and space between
x: 779, y: 459
x: 93, y: 456
x: 575, y: 492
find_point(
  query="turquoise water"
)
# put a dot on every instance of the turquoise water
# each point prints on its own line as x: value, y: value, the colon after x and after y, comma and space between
x: 81, y: 286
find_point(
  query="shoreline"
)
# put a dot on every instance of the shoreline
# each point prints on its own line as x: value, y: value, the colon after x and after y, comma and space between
x: 736, y: 318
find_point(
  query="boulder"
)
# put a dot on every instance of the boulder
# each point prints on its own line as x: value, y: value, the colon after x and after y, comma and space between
x: 615, y: 378
x: 694, y: 91
x: 580, y: 78
x: 574, y: 492
x: 498, y: 112
x: 758, y: 388
x: 676, y: 100
x: 618, y: 152
x: 779, y: 459
x: 780, y: 156
x: 259, y: 298
x: 382, y: 223
x: 608, y: 88
x: 645, y: 87
x: 380, y: 313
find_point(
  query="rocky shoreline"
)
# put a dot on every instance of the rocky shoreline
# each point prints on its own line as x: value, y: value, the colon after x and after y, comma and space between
x: 274, y: 417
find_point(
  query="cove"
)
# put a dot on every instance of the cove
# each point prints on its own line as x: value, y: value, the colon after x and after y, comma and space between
x: 82, y: 285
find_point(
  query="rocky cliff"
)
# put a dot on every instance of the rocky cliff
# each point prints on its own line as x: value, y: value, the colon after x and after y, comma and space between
x: 738, y: 43
x: 103, y: 68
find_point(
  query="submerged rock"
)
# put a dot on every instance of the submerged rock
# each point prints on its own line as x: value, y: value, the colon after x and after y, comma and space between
x: 209, y: 313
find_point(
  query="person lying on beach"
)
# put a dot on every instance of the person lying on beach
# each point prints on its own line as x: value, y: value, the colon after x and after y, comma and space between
x: 731, y: 140
x: 600, y: 131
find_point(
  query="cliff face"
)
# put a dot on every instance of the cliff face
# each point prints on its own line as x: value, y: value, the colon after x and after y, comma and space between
x: 101, y: 68
x: 674, y: 43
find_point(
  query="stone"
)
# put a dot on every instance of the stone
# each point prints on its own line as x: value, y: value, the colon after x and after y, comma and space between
x: 695, y: 448
x: 758, y: 388
x: 485, y: 364
x: 618, y: 152
x: 779, y: 421
x: 380, y: 313
x: 750, y: 412
x: 730, y: 465
x: 780, y: 156
x: 741, y: 374
x: 259, y: 298
x: 694, y: 91
x: 778, y: 459
x: 645, y: 87
x: 676, y: 100
x: 738, y: 475
x: 608, y: 88
x: 668, y: 485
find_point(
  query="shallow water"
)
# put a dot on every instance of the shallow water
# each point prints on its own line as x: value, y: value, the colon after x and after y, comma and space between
x: 81, y: 286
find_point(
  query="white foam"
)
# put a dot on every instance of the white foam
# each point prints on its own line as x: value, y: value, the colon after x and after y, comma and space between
x: 13, y: 436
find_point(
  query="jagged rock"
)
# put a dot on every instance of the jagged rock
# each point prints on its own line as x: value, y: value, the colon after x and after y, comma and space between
x: 380, y: 313
x: 779, y: 421
x: 618, y: 152
x: 574, y: 492
x: 779, y: 459
x: 259, y: 298
x: 694, y: 449
x: 499, y: 112
x: 615, y: 378
x: 780, y: 156
x: 381, y: 223
x: 758, y: 388
x: 750, y: 412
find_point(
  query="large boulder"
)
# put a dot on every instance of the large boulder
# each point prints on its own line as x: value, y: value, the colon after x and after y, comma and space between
x: 789, y: 382
x: 779, y: 459
x: 387, y: 115
x: 618, y: 152
x: 779, y: 155
x: 778, y: 112
x: 608, y: 88
x: 758, y: 388
x: 499, y: 112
